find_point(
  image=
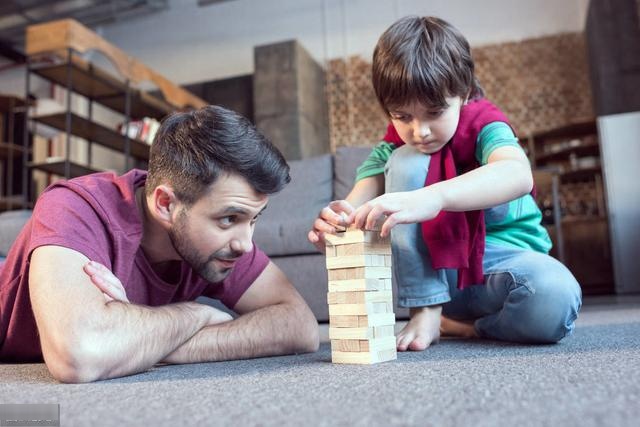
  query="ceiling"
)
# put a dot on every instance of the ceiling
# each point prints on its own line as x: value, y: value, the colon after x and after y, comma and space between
x: 16, y: 15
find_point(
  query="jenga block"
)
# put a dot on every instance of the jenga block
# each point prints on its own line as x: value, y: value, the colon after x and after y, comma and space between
x: 331, y: 251
x: 360, y: 285
x: 345, y: 345
x: 360, y: 321
x: 359, y: 273
x: 367, y: 308
x: 364, y: 358
x: 355, y: 297
x: 361, y: 333
x: 355, y: 236
x: 362, y: 248
x: 352, y: 261
x: 369, y: 345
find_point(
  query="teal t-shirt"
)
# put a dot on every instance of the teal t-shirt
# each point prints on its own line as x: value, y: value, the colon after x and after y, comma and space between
x: 516, y: 223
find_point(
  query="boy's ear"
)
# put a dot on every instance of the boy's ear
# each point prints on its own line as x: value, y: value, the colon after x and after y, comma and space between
x: 164, y: 202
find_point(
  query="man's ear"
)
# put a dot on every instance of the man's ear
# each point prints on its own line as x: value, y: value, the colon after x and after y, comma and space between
x: 164, y: 203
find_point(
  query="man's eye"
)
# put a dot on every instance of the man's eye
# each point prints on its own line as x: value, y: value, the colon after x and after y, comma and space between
x: 227, y: 220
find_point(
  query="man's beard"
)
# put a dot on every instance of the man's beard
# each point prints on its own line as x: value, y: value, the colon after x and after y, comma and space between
x: 204, y: 266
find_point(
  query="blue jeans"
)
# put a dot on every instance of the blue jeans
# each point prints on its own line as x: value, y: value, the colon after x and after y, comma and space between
x: 527, y: 296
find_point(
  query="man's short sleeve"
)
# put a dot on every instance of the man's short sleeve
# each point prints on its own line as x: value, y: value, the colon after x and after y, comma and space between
x: 62, y: 217
x: 244, y: 273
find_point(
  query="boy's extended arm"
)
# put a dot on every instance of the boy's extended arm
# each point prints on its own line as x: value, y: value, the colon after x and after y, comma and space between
x: 84, y: 338
x: 505, y: 177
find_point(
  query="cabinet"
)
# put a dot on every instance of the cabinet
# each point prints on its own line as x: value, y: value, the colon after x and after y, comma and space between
x: 12, y: 111
x: 55, y: 53
x: 573, y: 203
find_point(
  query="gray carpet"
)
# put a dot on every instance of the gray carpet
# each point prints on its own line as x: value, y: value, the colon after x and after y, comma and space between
x: 589, y: 379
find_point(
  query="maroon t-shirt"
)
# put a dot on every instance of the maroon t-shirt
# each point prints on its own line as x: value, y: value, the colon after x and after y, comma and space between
x: 97, y: 216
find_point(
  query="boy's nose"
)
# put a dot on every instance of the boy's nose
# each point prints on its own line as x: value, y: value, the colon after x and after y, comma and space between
x: 422, y: 130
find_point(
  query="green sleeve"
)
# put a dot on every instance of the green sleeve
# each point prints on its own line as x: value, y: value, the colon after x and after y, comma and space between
x: 492, y: 136
x: 375, y: 163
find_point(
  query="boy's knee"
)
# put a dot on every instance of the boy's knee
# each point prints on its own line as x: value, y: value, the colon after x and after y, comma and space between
x: 552, y: 308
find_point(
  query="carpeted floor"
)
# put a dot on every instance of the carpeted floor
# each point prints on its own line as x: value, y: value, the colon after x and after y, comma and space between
x: 589, y: 379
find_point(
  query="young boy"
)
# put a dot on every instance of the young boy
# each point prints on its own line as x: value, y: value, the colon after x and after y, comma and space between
x: 469, y: 252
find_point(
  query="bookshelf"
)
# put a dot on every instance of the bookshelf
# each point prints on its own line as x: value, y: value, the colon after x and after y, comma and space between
x: 55, y: 53
x: 12, y: 109
x: 577, y: 216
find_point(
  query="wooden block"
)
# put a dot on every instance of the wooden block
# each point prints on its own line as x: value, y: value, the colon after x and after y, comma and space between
x: 360, y: 285
x: 355, y: 297
x: 362, y: 248
x: 369, y: 345
x: 359, y: 321
x: 355, y: 236
x: 361, y: 333
x: 351, y: 261
x: 359, y: 273
x: 363, y: 358
x: 360, y: 309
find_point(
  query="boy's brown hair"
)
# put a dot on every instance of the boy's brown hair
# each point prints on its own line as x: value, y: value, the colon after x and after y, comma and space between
x: 423, y: 59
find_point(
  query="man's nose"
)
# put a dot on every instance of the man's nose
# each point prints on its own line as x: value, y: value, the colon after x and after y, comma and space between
x: 243, y: 240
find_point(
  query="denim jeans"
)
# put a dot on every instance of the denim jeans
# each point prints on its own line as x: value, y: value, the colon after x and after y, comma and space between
x: 527, y: 296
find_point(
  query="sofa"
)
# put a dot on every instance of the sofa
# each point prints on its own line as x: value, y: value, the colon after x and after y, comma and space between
x: 282, y: 229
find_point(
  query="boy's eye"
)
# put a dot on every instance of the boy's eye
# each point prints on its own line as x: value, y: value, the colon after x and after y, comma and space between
x: 436, y: 113
x: 401, y: 117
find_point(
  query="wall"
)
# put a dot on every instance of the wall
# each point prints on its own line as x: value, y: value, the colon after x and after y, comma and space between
x: 190, y: 44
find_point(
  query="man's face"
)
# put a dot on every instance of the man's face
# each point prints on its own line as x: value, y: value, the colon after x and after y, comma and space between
x: 216, y: 230
x: 427, y: 129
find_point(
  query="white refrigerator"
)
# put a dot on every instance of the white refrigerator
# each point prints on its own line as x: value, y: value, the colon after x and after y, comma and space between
x: 620, y: 156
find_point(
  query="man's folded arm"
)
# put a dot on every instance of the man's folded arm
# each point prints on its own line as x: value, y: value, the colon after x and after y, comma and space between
x: 275, y: 320
x: 85, y: 338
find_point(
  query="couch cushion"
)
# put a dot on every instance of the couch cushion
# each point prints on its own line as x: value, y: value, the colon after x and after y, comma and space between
x: 347, y: 160
x: 11, y: 222
x: 282, y: 229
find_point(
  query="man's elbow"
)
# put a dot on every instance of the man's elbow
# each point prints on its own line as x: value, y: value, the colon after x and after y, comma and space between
x: 308, y: 336
x: 74, y: 363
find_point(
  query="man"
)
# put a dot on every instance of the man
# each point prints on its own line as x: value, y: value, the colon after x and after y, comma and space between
x: 102, y: 280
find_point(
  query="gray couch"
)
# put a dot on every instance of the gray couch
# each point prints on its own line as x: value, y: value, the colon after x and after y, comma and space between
x: 282, y: 229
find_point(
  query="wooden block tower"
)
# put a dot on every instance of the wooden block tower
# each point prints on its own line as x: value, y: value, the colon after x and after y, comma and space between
x: 361, y: 318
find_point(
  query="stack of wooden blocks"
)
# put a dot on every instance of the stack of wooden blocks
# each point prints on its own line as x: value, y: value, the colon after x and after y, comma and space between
x: 361, y: 318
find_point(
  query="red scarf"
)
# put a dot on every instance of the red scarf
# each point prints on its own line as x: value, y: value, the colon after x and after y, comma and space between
x: 456, y: 239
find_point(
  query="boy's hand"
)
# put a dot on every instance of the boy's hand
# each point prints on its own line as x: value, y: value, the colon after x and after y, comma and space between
x: 336, y: 215
x: 407, y: 207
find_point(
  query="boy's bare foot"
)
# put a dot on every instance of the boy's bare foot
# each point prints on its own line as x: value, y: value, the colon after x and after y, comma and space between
x: 456, y: 328
x: 422, y: 330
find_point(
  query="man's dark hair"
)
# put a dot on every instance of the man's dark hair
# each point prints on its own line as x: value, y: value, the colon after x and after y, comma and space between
x: 192, y: 149
x: 422, y: 59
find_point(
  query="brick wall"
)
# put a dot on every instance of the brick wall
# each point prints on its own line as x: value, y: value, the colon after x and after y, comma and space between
x: 539, y: 83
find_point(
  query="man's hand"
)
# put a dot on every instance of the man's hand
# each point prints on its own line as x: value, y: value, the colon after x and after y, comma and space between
x: 106, y: 282
x: 335, y: 215
x: 112, y: 289
x: 407, y: 207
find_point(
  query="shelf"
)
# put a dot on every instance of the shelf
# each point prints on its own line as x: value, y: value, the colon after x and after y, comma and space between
x: 580, y: 151
x: 13, y: 150
x: 579, y: 174
x: 104, y: 88
x: 11, y: 203
x: 95, y: 132
x: 573, y: 130
x: 57, y: 168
